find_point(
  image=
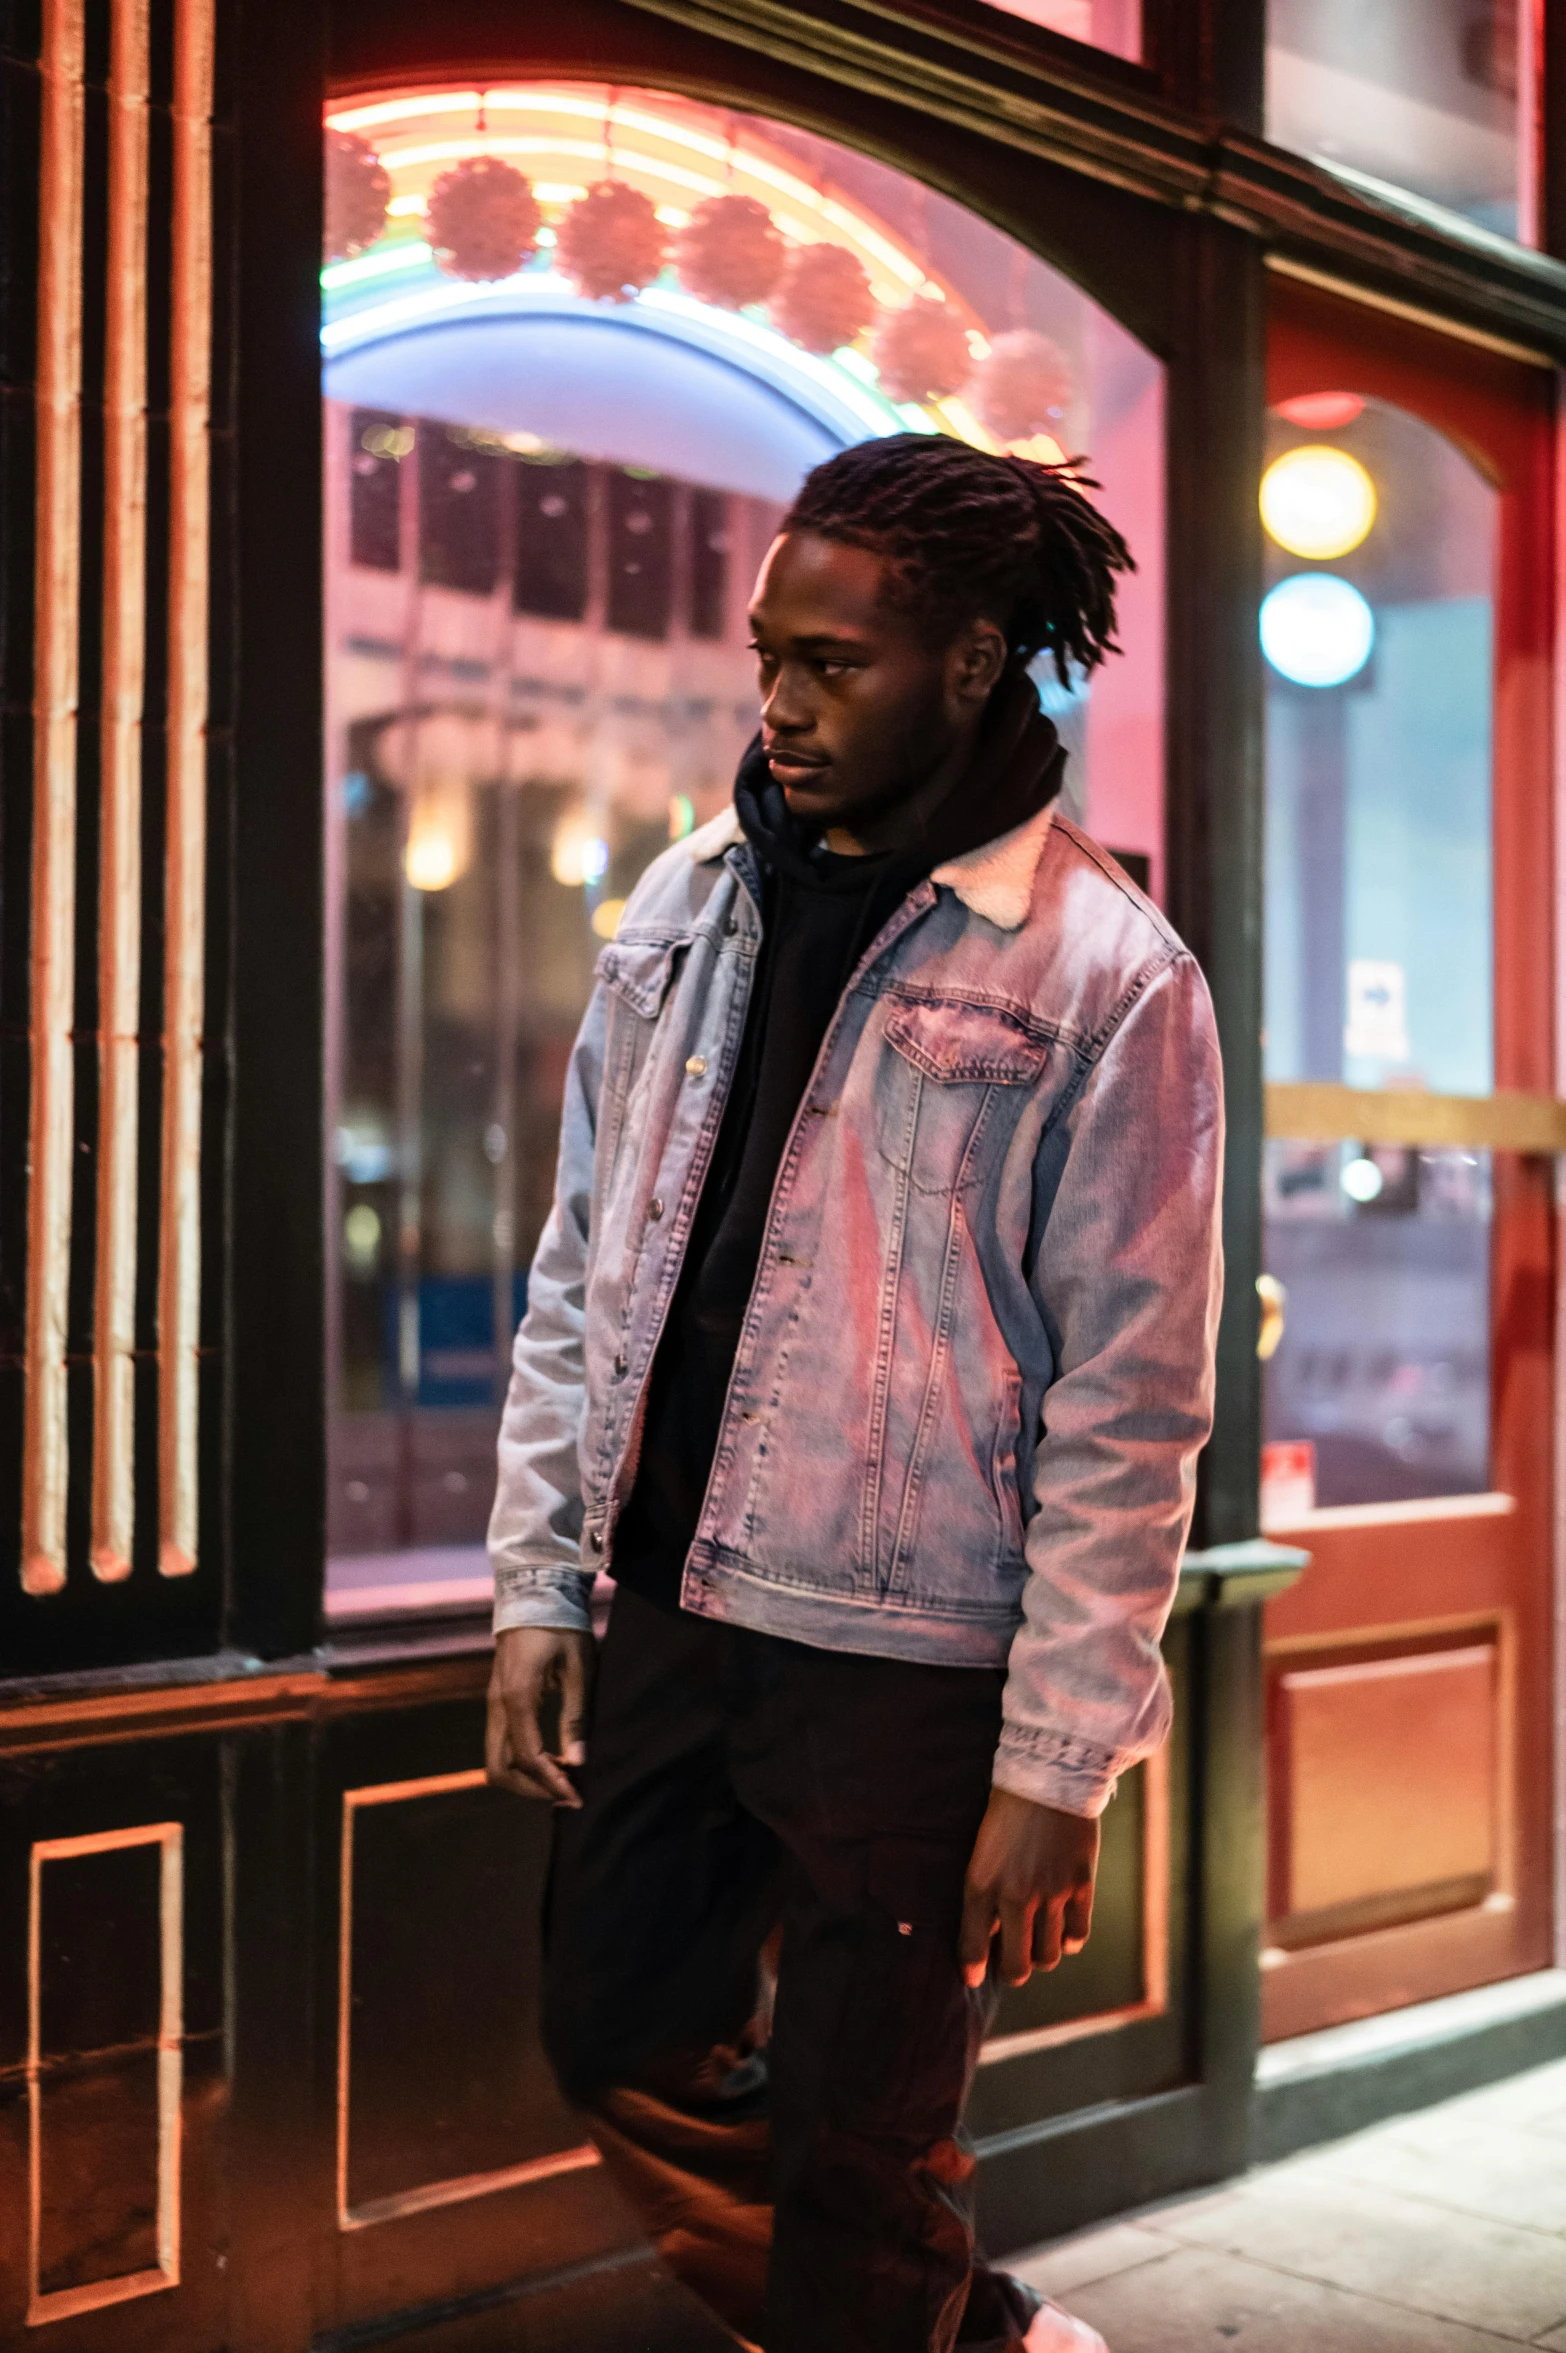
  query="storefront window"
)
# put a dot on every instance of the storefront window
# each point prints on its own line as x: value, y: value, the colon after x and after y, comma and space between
x: 580, y: 348
x: 1115, y: 25
x: 1431, y: 97
x: 1377, y: 631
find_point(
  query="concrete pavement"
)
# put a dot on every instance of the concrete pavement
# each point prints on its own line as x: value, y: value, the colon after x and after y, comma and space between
x: 1441, y: 2232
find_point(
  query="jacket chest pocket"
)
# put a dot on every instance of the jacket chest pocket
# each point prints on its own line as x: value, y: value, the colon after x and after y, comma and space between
x: 951, y: 1073
x: 637, y: 977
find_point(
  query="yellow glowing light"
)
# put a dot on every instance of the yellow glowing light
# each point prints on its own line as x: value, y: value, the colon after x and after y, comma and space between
x: 440, y: 836
x: 606, y: 917
x: 578, y: 854
x: 682, y: 817
x: 361, y: 1236
x: 1317, y: 502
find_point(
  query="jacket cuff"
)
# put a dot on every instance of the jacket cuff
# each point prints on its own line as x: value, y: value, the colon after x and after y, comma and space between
x: 1072, y: 1775
x: 543, y: 1597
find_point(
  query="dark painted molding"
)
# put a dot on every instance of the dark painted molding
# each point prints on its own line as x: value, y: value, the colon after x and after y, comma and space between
x: 1344, y: 2090
x: 277, y: 1394
x: 1214, y: 780
x: 1017, y: 95
x: 1044, y: 2180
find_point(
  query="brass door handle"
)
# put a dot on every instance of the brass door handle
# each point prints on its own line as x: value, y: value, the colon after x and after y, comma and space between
x: 1274, y: 1314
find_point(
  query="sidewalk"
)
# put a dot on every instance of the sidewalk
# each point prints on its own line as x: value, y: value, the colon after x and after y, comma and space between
x: 1442, y: 2232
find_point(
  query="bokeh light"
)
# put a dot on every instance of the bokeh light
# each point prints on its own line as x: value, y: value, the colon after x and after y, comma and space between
x: 1317, y: 502
x: 1316, y: 629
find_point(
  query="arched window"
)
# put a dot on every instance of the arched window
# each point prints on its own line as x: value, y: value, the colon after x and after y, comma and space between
x: 580, y: 346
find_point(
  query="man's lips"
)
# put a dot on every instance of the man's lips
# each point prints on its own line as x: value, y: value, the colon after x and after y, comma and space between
x: 789, y: 763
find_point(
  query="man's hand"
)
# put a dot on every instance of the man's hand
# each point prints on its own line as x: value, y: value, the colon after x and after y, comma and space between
x: 1031, y: 1876
x: 535, y: 1665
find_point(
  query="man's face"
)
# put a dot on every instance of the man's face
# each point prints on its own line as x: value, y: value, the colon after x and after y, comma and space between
x: 863, y: 720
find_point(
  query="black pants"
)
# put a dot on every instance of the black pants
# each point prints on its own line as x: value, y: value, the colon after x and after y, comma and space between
x: 746, y: 1798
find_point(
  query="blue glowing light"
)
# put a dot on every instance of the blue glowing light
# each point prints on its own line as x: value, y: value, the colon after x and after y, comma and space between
x: 1317, y: 629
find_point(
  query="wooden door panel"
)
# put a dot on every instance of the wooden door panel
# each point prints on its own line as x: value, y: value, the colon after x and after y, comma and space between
x: 1387, y: 1785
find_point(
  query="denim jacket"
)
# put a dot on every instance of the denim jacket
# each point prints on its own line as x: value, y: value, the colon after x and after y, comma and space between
x: 976, y: 1369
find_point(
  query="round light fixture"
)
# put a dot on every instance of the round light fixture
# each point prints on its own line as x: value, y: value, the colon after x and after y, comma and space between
x: 1317, y: 502
x: 1362, y: 1180
x: 1316, y: 629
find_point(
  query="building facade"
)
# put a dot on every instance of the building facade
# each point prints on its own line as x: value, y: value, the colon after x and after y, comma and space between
x: 394, y: 411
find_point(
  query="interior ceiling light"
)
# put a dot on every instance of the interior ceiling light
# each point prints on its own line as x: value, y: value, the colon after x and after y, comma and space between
x: 1317, y: 630
x: 1317, y: 502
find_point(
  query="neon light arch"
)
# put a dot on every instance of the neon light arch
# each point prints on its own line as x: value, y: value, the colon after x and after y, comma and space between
x: 564, y: 136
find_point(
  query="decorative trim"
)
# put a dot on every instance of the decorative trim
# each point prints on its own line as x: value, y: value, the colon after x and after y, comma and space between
x: 460, y: 2187
x: 62, y: 2303
x: 228, y: 1692
x: 1316, y: 1111
x: 124, y: 681
x: 179, y: 1284
x: 1420, y: 1511
x: 464, y: 2186
x: 1155, y: 1938
x: 57, y: 583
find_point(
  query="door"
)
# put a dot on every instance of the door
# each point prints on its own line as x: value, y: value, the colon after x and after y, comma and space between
x: 1408, y: 1212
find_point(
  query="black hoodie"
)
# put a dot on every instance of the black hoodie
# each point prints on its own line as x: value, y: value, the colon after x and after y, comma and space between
x: 820, y: 912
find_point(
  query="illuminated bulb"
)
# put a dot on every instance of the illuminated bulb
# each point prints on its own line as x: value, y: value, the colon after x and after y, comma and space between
x: 1317, y: 502
x: 1361, y: 1180
x: 1317, y: 630
x: 606, y: 917
x: 361, y: 1236
x: 682, y: 817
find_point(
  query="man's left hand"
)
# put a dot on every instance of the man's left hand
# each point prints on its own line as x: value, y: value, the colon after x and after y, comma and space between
x: 1031, y: 1879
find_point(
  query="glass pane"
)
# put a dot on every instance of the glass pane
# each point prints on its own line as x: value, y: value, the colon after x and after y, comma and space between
x: 1115, y: 25
x: 1378, y: 628
x: 548, y: 495
x: 1429, y: 96
x: 1380, y: 1389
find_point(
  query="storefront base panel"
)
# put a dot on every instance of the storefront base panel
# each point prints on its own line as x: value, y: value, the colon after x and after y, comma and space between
x: 270, y: 2069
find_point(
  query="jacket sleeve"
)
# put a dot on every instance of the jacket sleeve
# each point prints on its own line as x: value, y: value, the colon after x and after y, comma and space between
x: 1128, y: 1278
x: 535, y: 1529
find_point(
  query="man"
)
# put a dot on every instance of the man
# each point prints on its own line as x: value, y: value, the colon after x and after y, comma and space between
x: 869, y: 1350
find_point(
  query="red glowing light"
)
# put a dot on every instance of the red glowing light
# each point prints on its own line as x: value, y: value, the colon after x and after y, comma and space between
x: 1321, y: 412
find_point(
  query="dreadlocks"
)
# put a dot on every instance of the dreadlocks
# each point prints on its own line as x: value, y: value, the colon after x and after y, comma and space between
x: 965, y: 534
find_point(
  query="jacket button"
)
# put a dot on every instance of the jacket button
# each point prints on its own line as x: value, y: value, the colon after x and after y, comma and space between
x: 620, y: 1364
x: 697, y: 1066
x: 655, y: 1209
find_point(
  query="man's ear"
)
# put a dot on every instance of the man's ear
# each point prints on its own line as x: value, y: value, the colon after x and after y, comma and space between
x: 974, y: 661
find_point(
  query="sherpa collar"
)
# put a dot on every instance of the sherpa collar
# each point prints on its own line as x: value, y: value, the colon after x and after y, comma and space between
x: 995, y: 880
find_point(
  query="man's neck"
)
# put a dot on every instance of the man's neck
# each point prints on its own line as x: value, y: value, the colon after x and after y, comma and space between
x: 902, y: 825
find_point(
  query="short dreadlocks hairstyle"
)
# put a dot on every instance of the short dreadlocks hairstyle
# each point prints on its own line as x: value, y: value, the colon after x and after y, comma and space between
x: 967, y: 535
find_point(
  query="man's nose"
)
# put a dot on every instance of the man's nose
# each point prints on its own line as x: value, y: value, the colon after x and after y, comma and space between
x: 784, y: 709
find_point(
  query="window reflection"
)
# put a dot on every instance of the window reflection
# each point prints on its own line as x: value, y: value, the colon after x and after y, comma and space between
x: 1380, y: 1389
x: 1115, y: 25
x: 1377, y: 629
x: 1427, y: 95
x: 1378, y: 751
x: 545, y: 511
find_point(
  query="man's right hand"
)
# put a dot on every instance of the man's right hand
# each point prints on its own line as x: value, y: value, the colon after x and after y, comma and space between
x: 534, y: 1665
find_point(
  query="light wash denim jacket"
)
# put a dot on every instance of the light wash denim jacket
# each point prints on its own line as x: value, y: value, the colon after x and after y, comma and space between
x: 976, y: 1369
